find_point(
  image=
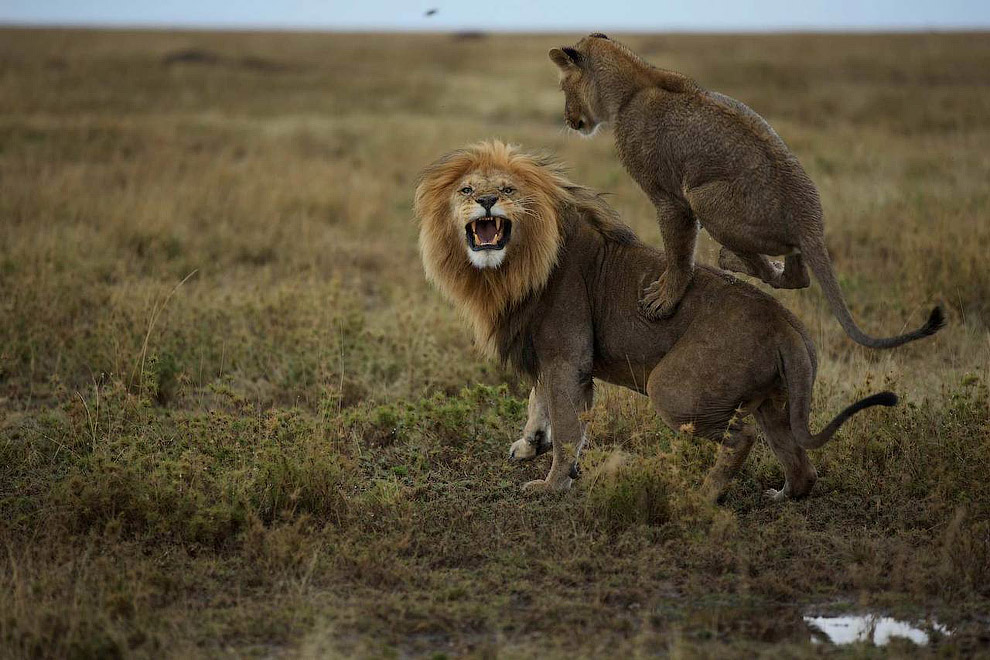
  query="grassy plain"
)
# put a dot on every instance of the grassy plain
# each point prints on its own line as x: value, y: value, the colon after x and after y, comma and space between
x: 235, y: 420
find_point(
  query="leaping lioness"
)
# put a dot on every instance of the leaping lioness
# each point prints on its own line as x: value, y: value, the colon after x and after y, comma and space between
x: 703, y: 157
x: 551, y: 279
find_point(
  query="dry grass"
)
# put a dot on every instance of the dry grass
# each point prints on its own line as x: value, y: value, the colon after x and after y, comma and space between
x: 278, y: 456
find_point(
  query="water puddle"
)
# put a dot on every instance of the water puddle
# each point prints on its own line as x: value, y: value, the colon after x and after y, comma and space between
x: 870, y: 628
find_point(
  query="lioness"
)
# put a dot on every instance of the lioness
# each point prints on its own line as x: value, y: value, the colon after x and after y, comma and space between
x: 703, y: 157
x: 550, y: 278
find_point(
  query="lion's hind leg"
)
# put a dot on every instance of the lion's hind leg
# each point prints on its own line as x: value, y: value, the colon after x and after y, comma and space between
x: 734, y: 437
x: 685, y: 409
x: 800, y: 476
x: 735, y: 443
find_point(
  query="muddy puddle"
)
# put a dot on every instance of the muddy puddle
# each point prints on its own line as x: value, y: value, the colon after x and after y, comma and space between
x: 871, y: 628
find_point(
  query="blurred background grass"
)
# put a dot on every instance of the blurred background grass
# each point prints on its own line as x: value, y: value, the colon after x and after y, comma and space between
x: 232, y: 407
x: 280, y: 168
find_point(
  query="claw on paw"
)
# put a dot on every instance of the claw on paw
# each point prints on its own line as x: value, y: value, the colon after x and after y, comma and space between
x: 656, y: 305
x: 660, y: 298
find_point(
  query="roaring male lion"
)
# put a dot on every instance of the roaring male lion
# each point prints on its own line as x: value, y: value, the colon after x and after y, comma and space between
x: 703, y: 157
x: 550, y: 278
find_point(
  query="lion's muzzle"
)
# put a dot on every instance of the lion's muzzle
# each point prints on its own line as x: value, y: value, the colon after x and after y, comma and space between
x: 489, y: 232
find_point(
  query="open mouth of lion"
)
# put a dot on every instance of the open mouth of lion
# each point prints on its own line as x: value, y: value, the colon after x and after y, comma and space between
x: 490, y: 232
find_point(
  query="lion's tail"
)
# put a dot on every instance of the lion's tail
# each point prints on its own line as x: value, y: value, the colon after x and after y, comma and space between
x: 799, y: 376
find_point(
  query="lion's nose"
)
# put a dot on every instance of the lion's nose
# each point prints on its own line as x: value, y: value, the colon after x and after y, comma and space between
x: 488, y: 201
x: 579, y: 124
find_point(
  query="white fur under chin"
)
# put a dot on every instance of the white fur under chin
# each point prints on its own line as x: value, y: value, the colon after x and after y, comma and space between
x: 486, y: 258
x: 593, y: 132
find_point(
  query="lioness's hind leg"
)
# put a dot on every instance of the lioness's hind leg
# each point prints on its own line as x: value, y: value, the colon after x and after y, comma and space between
x: 791, y: 275
x: 748, y: 263
x: 795, y: 274
x: 799, y: 474
x: 736, y: 443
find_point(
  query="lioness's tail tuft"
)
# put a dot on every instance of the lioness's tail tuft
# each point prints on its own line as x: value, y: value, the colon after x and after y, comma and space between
x: 935, y: 322
x: 813, y: 249
x: 888, y: 399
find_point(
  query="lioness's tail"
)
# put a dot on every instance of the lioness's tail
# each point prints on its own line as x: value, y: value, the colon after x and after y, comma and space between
x: 799, y: 376
x: 816, y: 256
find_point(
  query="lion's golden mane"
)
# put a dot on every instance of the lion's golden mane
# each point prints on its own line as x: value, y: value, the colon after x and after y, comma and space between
x: 549, y: 204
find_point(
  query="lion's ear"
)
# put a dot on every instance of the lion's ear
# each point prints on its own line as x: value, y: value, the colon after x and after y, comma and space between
x: 565, y: 58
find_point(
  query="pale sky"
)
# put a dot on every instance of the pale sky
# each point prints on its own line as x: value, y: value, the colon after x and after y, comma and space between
x: 508, y: 15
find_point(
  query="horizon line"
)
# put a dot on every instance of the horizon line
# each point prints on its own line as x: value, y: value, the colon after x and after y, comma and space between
x: 392, y: 29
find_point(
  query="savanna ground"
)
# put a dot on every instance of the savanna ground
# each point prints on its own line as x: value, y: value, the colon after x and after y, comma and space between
x: 235, y: 420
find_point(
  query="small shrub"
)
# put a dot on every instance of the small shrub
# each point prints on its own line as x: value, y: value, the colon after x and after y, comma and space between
x: 161, y: 377
x: 625, y: 493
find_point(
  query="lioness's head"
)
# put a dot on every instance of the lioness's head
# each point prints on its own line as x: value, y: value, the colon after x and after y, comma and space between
x: 490, y: 230
x: 598, y: 75
x: 583, y: 107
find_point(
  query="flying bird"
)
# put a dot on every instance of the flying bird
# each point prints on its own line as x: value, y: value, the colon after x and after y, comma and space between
x: 430, y: 12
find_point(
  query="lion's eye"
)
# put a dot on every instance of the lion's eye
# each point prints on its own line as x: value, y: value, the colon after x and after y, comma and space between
x: 467, y: 190
x: 508, y: 190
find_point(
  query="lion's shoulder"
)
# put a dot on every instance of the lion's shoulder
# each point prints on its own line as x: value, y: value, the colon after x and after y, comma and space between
x: 592, y: 209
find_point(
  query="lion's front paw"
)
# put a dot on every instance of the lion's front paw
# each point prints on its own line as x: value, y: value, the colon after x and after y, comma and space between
x: 529, y: 447
x: 542, y: 486
x: 522, y: 450
x: 659, y: 301
x: 775, y: 495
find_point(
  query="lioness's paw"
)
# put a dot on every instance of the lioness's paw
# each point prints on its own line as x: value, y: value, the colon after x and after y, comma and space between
x: 661, y: 298
x: 655, y: 305
x: 542, y: 486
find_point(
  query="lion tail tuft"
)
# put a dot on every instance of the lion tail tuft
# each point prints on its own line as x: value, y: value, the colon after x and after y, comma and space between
x: 799, y: 376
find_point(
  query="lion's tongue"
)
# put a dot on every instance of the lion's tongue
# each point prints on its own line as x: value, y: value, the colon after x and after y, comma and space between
x: 486, y: 231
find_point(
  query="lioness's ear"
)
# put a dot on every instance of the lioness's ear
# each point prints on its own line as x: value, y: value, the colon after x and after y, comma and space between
x: 565, y: 57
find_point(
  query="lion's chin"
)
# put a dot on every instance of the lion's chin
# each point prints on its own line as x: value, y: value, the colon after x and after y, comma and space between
x: 486, y: 258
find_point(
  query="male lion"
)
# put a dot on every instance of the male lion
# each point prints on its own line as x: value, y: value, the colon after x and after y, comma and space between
x: 550, y: 278
x: 703, y: 157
